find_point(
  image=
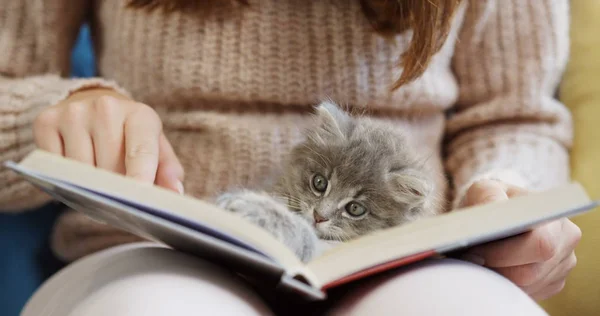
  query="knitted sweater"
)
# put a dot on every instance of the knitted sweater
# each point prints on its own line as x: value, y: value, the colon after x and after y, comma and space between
x: 234, y: 87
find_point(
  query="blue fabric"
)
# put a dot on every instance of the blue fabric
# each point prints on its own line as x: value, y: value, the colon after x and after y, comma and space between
x: 25, y: 257
x: 82, y: 58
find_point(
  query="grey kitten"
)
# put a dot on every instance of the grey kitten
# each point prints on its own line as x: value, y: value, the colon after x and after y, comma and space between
x: 351, y: 176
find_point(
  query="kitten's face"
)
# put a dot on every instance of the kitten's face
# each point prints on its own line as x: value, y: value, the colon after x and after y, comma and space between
x: 352, y: 177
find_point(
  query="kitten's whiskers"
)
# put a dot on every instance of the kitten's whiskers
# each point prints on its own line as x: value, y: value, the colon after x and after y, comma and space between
x: 337, y: 233
x: 292, y: 203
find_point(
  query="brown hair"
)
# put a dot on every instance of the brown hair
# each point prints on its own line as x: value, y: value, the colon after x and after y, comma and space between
x: 429, y: 20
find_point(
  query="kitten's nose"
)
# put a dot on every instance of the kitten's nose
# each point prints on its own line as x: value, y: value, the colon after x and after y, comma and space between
x: 319, y: 218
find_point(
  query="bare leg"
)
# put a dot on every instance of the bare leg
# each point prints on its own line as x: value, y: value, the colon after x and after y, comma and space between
x: 144, y: 279
x: 440, y: 287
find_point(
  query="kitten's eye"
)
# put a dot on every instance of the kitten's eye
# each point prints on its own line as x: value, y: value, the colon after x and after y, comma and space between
x: 319, y: 183
x: 355, y: 209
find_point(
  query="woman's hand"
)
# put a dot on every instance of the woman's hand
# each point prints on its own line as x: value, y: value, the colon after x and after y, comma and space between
x: 104, y: 128
x: 537, y: 261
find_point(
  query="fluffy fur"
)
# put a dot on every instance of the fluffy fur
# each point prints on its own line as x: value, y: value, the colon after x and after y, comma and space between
x: 351, y: 176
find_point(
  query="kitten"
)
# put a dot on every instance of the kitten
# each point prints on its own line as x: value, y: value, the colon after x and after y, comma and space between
x: 351, y: 176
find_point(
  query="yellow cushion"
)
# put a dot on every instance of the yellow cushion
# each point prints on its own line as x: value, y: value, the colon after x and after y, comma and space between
x: 580, y: 91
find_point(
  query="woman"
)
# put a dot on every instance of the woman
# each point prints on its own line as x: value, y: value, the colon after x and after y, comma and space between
x: 220, y: 90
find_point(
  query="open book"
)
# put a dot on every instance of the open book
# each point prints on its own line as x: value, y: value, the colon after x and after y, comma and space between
x: 204, y: 230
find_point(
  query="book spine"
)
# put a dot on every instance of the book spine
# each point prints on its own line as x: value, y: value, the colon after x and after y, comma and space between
x: 296, y: 287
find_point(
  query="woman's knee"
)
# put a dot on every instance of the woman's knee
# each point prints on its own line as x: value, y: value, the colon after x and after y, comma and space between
x: 151, y: 281
x: 179, y: 293
x: 438, y: 287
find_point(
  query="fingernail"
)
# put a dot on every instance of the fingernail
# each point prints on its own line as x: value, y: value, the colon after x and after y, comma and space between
x: 473, y: 259
x: 180, y: 187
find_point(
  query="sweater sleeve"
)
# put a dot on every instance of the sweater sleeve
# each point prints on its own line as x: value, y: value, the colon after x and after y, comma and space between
x: 36, y: 38
x: 507, y: 125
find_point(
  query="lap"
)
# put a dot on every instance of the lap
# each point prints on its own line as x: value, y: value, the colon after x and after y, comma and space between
x: 152, y: 280
x: 144, y: 279
x: 437, y: 287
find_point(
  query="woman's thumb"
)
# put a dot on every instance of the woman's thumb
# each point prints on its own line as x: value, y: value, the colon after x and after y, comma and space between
x: 170, y: 173
x: 485, y: 191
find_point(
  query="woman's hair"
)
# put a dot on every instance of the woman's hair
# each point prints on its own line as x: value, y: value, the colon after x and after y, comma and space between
x: 429, y: 20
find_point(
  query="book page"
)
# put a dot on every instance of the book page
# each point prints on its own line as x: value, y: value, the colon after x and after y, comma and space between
x: 151, y: 198
x: 450, y: 231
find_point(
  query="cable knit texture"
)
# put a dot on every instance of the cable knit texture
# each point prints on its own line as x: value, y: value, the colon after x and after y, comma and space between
x: 234, y: 87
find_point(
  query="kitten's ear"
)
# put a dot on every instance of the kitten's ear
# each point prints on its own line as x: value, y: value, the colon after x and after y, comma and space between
x: 410, y: 186
x: 333, y: 120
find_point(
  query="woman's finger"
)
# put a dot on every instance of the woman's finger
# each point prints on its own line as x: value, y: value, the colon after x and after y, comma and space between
x: 538, y: 245
x: 558, y: 273
x: 142, y: 136
x: 74, y: 133
x: 525, y: 275
x: 170, y: 173
x: 549, y: 291
x: 108, y: 135
x: 45, y: 132
x: 535, y: 275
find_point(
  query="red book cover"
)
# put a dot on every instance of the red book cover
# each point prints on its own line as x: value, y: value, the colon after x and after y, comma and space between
x: 380, y: 268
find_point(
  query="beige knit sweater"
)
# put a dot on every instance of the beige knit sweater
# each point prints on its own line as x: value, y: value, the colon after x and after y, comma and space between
x: 233, y: 88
